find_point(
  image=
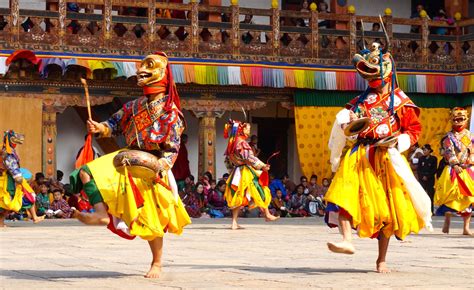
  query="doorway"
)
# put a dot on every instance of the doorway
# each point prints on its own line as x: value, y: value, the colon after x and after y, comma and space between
x: 273, y: 137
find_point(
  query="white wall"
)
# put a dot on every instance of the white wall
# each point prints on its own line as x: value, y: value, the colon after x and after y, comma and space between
x: 70, y: 138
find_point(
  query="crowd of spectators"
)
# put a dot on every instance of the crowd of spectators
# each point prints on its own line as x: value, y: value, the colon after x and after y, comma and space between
x: 205, y: 198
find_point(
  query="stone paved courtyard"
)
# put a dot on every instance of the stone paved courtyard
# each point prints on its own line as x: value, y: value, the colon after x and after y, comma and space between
x: 289, y: 254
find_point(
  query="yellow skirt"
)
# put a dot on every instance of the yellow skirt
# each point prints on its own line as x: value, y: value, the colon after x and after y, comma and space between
x: 448, y: 191
x: 243, y: 189
x: 7, y: 202
x: 161, y: 211
x: 373, y: 195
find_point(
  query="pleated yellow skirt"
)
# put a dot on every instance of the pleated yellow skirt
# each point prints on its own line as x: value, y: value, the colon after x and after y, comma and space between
x: 162, y: 211
x: 449, y: 193
x: 243, y: 189
x: 373, y: 194
x: 7, y: 201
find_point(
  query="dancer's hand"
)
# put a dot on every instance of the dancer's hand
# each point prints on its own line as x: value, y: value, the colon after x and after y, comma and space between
x: 94, y: 127
x: 458, y: 169
x: 352, y: 116
x: 266, y: 167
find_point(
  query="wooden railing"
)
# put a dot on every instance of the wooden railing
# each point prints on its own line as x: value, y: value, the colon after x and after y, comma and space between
x: 217, y: 32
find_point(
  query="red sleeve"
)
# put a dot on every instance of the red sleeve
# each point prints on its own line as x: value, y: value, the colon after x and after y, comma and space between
x: 410, y: 122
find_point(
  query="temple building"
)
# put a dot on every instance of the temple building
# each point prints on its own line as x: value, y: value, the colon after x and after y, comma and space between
x: 286, y: 66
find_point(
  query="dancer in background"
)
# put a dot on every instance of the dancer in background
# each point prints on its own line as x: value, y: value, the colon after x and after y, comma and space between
x: 244, y: 185
x: 455, y: 187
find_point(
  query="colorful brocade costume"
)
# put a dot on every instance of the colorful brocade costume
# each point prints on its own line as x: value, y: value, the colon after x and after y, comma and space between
x: 145, y: 207
x: 15, y: 192
x: 244, y: 186
x: 373, y: 185
x: 454, y: 191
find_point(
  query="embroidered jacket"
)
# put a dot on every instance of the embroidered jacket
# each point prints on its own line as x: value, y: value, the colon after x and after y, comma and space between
x: 382, y: 124
x: 459, y: 148
x: 146, y: 126
x: 243, y: 155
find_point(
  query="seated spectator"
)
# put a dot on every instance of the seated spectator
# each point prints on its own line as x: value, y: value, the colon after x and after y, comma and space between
x: 323, y: 8
x: 189, y: 184
x: 192, y: 204
x: 57, y: 183
x: 279, y: 205
x: 74, y: 25
x: 275, y: 185
x: 441, y: 16
x: 225, y: 176
x: 289, y: 185
x: 42, y: 200
x: 325, y: 187
x: 247, y: 37
x: 201, y: 192
x: 313, y: 186
x: 80, y: 202
x: 298, y: 202
x: 415, y: 15
x: 59, y: 207
x: 314, y: 204
x: 304, y: 183
x: 39, y: 180
x: 216, y: 201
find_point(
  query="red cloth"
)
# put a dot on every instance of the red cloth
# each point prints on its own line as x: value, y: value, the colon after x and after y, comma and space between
x: 410, y: 123
x: 181, y: 166
x: 87, y: 153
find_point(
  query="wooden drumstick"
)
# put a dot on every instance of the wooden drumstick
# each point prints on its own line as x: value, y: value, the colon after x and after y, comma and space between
x: 88, y: 101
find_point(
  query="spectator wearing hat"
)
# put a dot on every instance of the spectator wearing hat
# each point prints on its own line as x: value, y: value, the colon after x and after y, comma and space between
x: 427, y: 167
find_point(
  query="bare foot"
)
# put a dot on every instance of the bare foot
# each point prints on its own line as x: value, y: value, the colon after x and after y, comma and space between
x: 236, y: 227
x: 341, y: 248
x: 467, y: 233
x: 38, y: 219
x: 154, y: 272
x: 382, y: 268
x: 271, y: 218
x: 445, y: 228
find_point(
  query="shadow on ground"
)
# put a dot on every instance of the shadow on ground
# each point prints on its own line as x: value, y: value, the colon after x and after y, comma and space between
x: 50, y: 275
x: 275, y: 270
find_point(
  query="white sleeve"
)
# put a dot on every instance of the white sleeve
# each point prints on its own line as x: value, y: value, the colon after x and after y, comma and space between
x: 337, y: 140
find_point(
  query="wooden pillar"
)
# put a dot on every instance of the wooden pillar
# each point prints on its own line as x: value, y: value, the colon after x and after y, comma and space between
x: 425, y: 31
x: 388, y: 22
x: 314, y: 33
x: 151, y: 23
x: 15, y: 20
x: 207, y: 141
x: 352, y: 35
x: 276, y: 30
x: 62, y: 21
x: 49, y: 141
x: 194, y: 27
x: 107, y: 22
x: 235, y: 28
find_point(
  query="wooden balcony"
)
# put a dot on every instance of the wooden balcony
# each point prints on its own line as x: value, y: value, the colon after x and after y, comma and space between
x: 197, y: 31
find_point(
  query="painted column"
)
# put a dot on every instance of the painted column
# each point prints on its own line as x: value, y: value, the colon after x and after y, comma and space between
x: 49, y: 140
x: 207, y: 141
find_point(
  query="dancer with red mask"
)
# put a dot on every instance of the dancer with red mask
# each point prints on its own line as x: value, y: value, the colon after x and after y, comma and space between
x: 244, y: 185
x: 455, y: 187
x: 132, y: 205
